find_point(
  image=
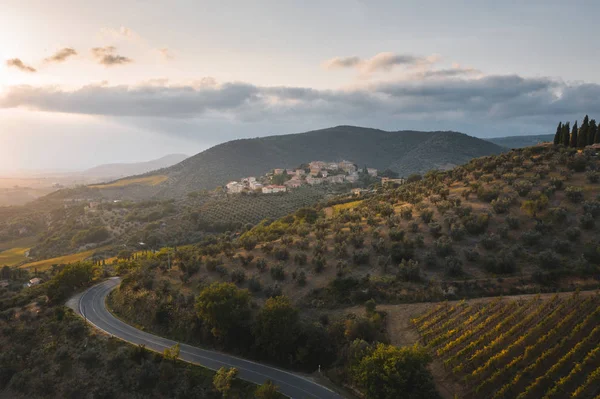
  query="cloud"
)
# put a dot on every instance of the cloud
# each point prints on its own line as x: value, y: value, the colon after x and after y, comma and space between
x: 379, y: 62
x: 455, y: 71
x: 17, y: 63
x: 165, y: 53
x: 484, y: 104
x: 119, y: 33
x: 62, y: 55
x: 107, y: 57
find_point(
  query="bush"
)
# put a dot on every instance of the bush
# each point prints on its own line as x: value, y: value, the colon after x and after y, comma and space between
x: 397, y: 234
x: 409, y: 270
x: 471, y: 254
x: 435, y: 229
x: 549, y: 260
x: 319, y: 263
x: 513, y: 222
x: 453, y: 266
x: 278, y: 273
x: 457, y: 232
x: 238, y: 276
x: 400, y: 251
x: 523, y: 187
x: 300, y: 259
x: 573, y: 233
x: 261, y: 265
x: 574, y: 194
x: 443, y: 246
x: 281, y: 254
x: 592, y: 207
x: 531, y: 237
x: 489, y: 241
x: 301, y: 280
x: 360, y: 257
x: 489, y: 194
x: 561, y: 246
x: 254, y: 284
x: 476, y: 224
x: 592, y: 176
x: 503, y: 263
x: 413, y: 226
x: 426, y: 215
x: 587, y: 221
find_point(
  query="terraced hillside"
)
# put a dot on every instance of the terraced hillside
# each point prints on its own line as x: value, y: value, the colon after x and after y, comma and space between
x: 518, y: 349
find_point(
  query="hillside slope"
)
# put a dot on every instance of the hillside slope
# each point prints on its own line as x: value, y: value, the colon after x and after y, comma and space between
x: 405, y: 152
x: 117, y: 170
x: 521, y: 141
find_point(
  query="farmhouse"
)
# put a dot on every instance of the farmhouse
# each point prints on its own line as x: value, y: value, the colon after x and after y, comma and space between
x: 234, y: 187
x: 273, y: 189
x: 34, y: 281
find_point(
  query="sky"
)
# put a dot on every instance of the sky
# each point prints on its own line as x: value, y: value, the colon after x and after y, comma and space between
x: 85, y: 83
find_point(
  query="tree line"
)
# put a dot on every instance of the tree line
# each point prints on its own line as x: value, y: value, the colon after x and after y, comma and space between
x: 575, y: 137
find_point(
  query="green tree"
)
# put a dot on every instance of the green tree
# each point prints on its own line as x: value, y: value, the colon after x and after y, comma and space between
x: 276, y: 328
x: 71, y: 278
x: 389, y: 372
x: 574, y: 139
x: 592, y: 132
x: 583, y: 133
x: 223, y: 380
x: 558, y: 135
x: 533, y: 206
x: 268, y: 390
x: 172, y: 353
x: 566, y: 135
x: 224, y: 308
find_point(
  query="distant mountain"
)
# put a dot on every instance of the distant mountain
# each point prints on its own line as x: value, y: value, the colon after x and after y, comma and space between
x: 521, y: 141
x: 405, y: 152
x: 113, y: 171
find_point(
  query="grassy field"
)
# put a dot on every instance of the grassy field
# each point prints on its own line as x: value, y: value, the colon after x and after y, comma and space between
x: 45, y: 264
x: 144, y: 181
x: 13, y: 256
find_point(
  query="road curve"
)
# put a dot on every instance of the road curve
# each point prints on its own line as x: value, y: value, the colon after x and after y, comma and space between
x: 91, y: 305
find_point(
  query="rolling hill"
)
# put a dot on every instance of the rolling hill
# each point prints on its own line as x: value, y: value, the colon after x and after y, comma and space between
x: 118, y: 170
x: 521, y: 141
x: 404, y: 152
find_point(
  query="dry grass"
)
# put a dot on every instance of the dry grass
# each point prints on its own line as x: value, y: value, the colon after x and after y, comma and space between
x: 143, y: 181
x: 45, y: 264
x: 348, y: 205
x: 13, y: 256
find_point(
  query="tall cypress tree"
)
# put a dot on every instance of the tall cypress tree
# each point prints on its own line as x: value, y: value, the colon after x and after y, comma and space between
x: 558, y: 134
x: 574, y: 141
x: 566, y: 136
x: 592, y: 132
x: 582, y: 135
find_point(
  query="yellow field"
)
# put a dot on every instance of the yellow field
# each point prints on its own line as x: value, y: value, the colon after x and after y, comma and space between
x: 144, y: 181
x: 348, y: 205
x: 45, y: 264
x: 12, y: 256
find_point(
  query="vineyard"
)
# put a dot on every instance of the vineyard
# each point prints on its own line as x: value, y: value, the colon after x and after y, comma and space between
x: 525, y: 349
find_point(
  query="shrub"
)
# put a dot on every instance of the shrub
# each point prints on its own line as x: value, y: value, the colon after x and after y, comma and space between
x: 453, y: 266
x: 592, y: 176
x: 513, y: 222
x: 319, y: 263
x: 254, y: 284
x: 489, y: 241
x: 561, y: 246
x: 476, y: 224
x: 592, y: 207
x: 301, y: 280
x: 406, y: 213
x: 523, y: 187
x: 503, y: 263
x: 559, y: 215
x: 300, y: 259
x: 457, y: 232
x: 400, y: 251
x: 443, y: 246
x: 573, y: 233
x: 281, y: 254
x: 396, y: 234
x: 557, y: 183
x: 238, y: 276
x: 549, y: 260
x: 413, y: 226
x: 360, y: 257
x: 587, y: 221
x: 212, y: 263
x: 409, y: 270
x: 578, y: 163
x: 531, y: 237
x: 426, y: 215
x: 278, y: 273
x: 489, y: 194
x: 261, y: 265
x: 430, y: 259
x: 435, y: 229
x: 471, y: 254
x: 574, y: 194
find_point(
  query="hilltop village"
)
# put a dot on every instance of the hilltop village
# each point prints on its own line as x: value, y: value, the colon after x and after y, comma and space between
x: 314, y: 173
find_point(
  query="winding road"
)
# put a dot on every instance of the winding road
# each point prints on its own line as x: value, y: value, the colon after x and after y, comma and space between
x: 91, y: 304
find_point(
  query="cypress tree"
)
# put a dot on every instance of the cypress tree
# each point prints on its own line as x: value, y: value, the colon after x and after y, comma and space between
x: 574, y: 141
x: 592, y: 132
x: 582, y: 135
x: 566, y: 135
x: 558, y: 135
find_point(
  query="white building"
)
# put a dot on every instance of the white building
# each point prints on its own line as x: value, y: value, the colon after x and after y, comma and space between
x: 333, y: 166
x: 314, y: 180
x: 352, y: 177
x: 294, y: 183
x: 255, y: 185
x: 278, y: 171
x: 372, y: 172
x: 234, y: 187
x: 271, y: 189
x: 336, y: 179
x: 34, y: 281
x: 300, y: 172
x: 347, y: 166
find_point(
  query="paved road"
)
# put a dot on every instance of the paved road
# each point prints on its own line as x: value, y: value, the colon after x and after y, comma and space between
x: 91, y: 304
